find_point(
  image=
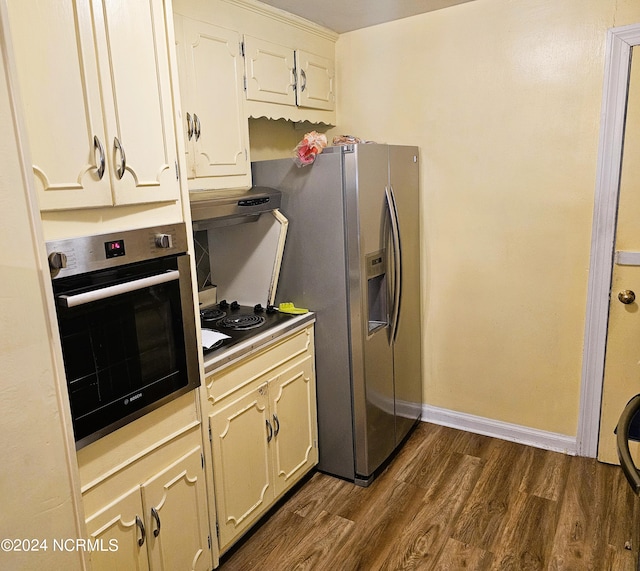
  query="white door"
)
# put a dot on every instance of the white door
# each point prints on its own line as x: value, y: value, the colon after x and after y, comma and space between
x: 622, y: 361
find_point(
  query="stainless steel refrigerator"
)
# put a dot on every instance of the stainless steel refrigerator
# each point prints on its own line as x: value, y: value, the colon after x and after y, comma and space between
x: 353, y: 256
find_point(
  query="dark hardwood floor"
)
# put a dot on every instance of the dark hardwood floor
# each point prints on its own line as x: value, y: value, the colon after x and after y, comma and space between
x: 454, y: 500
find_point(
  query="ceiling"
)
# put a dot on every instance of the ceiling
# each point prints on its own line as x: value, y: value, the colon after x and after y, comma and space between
x: 347, y: 15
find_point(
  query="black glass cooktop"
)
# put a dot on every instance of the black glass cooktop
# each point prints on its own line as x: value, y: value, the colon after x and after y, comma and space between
x: 238, y: 322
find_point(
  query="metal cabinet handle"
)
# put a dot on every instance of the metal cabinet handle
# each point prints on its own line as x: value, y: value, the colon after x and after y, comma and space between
x: 156, y: 516
x: 196, y: 121
x: 189, y: 126
x: 123, y: 158
x: 98, y: 145
x: 304, y: 80
x: 276, y: 422
x: 142, y: 531
x: 269, y: 431
x: 294, y: 79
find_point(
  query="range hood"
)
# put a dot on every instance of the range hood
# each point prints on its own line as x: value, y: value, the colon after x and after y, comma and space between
x: 227, y: 207
x: 244, y: 262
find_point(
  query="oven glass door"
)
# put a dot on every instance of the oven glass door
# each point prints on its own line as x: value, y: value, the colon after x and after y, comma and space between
x: 123, y: 342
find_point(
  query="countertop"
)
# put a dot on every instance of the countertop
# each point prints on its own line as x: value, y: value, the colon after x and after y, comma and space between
x: 221, y: 358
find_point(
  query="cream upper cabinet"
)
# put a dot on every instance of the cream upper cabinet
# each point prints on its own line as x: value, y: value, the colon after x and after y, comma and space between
x: 96, y: 89
x: 263, y: 427
x: 288, y: 63
x: 278, y: 74
x: 315, y: 81
x: 270, y: 71
x: 215, y: 127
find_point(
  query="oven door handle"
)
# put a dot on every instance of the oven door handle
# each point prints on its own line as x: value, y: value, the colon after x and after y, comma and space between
x: 111, y: 291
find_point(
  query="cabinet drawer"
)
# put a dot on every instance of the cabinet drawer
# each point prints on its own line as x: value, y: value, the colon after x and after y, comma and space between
x: 276, y: 356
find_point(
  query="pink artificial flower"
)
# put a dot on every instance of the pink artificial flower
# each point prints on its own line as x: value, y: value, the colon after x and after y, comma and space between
x: 307, y: 149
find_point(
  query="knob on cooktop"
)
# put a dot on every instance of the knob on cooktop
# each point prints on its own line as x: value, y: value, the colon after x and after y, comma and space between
x: 258, y: 308
x: 223, y: 304
x: 235, y: 305
x: 271, y: 309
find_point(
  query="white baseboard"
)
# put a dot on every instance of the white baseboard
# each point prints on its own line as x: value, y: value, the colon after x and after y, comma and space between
x: 503, y: 430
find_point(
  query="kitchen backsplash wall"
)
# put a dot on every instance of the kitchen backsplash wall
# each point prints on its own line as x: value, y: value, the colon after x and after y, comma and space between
x: 203, y: 264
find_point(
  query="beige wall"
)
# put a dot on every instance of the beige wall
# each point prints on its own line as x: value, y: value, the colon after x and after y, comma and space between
x: 503, y: 99
x: 38, y: 491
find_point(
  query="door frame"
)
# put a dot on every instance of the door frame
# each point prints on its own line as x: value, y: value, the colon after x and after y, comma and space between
x: 620, y: 40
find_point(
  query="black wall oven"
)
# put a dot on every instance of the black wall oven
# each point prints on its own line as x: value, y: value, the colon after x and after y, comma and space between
x: 125, y: 311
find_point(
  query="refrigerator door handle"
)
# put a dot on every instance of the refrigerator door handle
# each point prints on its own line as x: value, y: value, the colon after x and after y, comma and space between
x: 397, y: 261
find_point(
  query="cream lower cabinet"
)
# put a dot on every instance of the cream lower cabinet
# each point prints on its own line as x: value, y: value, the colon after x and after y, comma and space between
x: 95, y: 85
x: 215, y: 128
x: 160, y: 524
x: 263, y: 433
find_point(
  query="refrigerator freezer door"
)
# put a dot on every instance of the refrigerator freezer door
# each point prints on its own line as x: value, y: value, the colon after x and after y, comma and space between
x: 366, y: 175
x: 403, y: 179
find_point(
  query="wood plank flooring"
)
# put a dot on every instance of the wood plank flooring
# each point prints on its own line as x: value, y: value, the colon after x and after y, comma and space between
x: 451, y: 500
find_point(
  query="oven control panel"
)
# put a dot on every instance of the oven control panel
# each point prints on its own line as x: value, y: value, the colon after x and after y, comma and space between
x: 90, y: 253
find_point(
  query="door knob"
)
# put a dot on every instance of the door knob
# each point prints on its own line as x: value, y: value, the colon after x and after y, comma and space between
x: 626, y: 296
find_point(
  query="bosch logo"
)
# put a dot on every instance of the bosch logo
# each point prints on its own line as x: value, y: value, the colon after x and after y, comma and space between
x: 134, y: 397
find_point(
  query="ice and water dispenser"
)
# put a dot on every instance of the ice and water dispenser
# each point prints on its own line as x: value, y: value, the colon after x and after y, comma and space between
x: 377, y: 310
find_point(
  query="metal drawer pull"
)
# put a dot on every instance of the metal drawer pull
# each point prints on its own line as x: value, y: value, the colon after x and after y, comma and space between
x: 110, y: 291
x: 270, y: 431
x: 142, y: 531
x: 98, y: 145
x: 196, y: 121
x: 123, y: 158
x: 276, y: 422
x: 156, y: 516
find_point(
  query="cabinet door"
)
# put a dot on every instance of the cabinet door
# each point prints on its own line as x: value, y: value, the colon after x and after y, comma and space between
x: 293, y: 410
x: 134, y: 68
x: 185, y: 114
x: 119, y: 526
x: 315, y: 85
x: 176, y: 516
x: 240, y: 436
x: 56, y: 64
x: 270, y: 72
x: 214, y: 100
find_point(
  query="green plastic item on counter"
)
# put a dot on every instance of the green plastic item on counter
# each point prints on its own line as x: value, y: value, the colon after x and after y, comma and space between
x: 290, y: 308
